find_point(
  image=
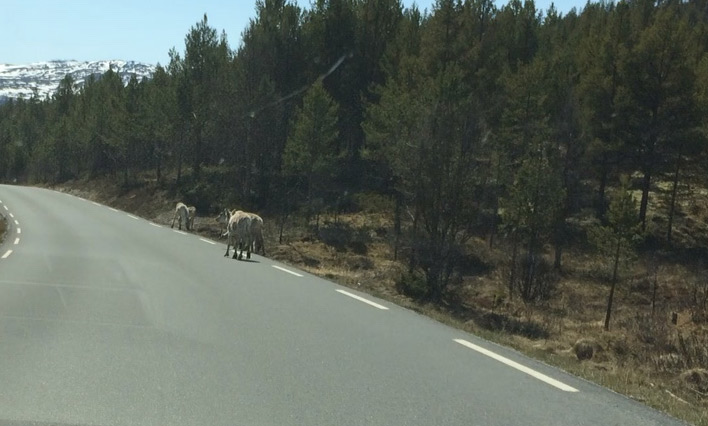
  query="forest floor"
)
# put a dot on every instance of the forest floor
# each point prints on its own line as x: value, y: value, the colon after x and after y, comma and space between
x: 645, y: 355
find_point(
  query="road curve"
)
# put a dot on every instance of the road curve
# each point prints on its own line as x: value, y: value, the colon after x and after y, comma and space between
x: 108, y: 319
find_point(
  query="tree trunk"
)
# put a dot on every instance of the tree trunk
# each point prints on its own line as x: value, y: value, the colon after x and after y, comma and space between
x: 397, y: 226
x: 614, y: 284
x: 180, y: 154
x: 558, y: 256
x: 433, y: 280
x: 492, y: 231
x: 646, y: 185
x: 602, y: 203
x: 512, y: 274
x: 674, y: 190
x: 197, y: 159
x: 310, y: 204
x: 530, y: 271
x: 411, y: 259
x: 493, y: 227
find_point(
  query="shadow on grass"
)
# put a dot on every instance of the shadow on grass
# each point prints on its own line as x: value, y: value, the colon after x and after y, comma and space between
x: 500, y: 322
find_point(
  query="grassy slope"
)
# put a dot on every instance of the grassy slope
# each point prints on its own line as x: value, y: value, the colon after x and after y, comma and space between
x: 636, y: 355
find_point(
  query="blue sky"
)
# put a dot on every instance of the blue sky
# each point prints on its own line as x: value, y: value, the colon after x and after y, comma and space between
x: 145, y: 30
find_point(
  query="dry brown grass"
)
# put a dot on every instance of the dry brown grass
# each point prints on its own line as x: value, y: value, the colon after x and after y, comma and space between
x: 644, y: 355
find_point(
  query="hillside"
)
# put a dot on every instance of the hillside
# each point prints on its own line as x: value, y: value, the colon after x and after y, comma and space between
x: 645, y: 355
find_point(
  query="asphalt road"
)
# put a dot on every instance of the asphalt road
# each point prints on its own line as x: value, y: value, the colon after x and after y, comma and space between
x: 108, y: 319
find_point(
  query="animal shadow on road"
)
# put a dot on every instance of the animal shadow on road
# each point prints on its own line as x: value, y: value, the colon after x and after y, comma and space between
x: 247, y: 260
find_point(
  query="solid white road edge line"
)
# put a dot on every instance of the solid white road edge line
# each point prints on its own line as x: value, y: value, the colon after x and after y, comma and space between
x: 361, y: 299
x: 180, y: 232
x: 207, y: 241
x: 17, y: 240
x: 7, y: 253
x: 513, y: 364
x: 285, y: 270
x: 111, y: 208
x: 133, y: 217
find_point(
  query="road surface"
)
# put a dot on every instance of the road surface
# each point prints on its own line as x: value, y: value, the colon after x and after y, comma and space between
x: 108, y: 319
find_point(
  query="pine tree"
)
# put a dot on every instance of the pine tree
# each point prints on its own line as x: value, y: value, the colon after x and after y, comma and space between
x: 161, y: 116
x: 428, y: 128
x: 599, y: 58
x: 656, y: 102
x: 529, y: 214
x: 311, y: 152
x: 617, y: 239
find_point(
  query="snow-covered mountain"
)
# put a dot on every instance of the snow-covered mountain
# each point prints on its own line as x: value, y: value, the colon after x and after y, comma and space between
x: 19, y: 81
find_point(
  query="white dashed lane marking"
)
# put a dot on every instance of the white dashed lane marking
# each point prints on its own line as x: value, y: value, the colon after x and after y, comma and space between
x: 7, y: 254
x: 16, y: 222
x: 5, y: 207
x: 95, y: 203
x: 207, y: 241
x: 285, y: 270
x: 155, y: 225
x: 111, y: 208
x: 513, y: 364
x: 12, y: 215
x: 180, y: 232
x: 133, y: 217
x: 19, y: 231
x: 361, y: 299
x: 17, y: 240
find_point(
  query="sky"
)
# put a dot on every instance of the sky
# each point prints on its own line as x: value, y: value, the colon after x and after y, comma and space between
x: 140, y: 30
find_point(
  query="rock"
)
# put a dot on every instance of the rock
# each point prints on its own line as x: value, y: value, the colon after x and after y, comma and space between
x: 696, y: 378
x: 586, y: 348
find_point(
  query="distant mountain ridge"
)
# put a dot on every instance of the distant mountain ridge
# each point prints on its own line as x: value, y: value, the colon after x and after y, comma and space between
x: 20, y: 81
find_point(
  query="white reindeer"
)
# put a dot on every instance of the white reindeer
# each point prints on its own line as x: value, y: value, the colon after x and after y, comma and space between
x: 257, y: 233
x: 238, y: 231
x: 256, y: 229
x: 192, y: 213
x: 182, y: 213
x: 223, y: 220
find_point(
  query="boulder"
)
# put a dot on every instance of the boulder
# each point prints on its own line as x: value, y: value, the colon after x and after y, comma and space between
x: 586, y: 348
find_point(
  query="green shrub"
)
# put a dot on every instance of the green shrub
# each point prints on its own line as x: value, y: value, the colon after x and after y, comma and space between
x: 412, y: 284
